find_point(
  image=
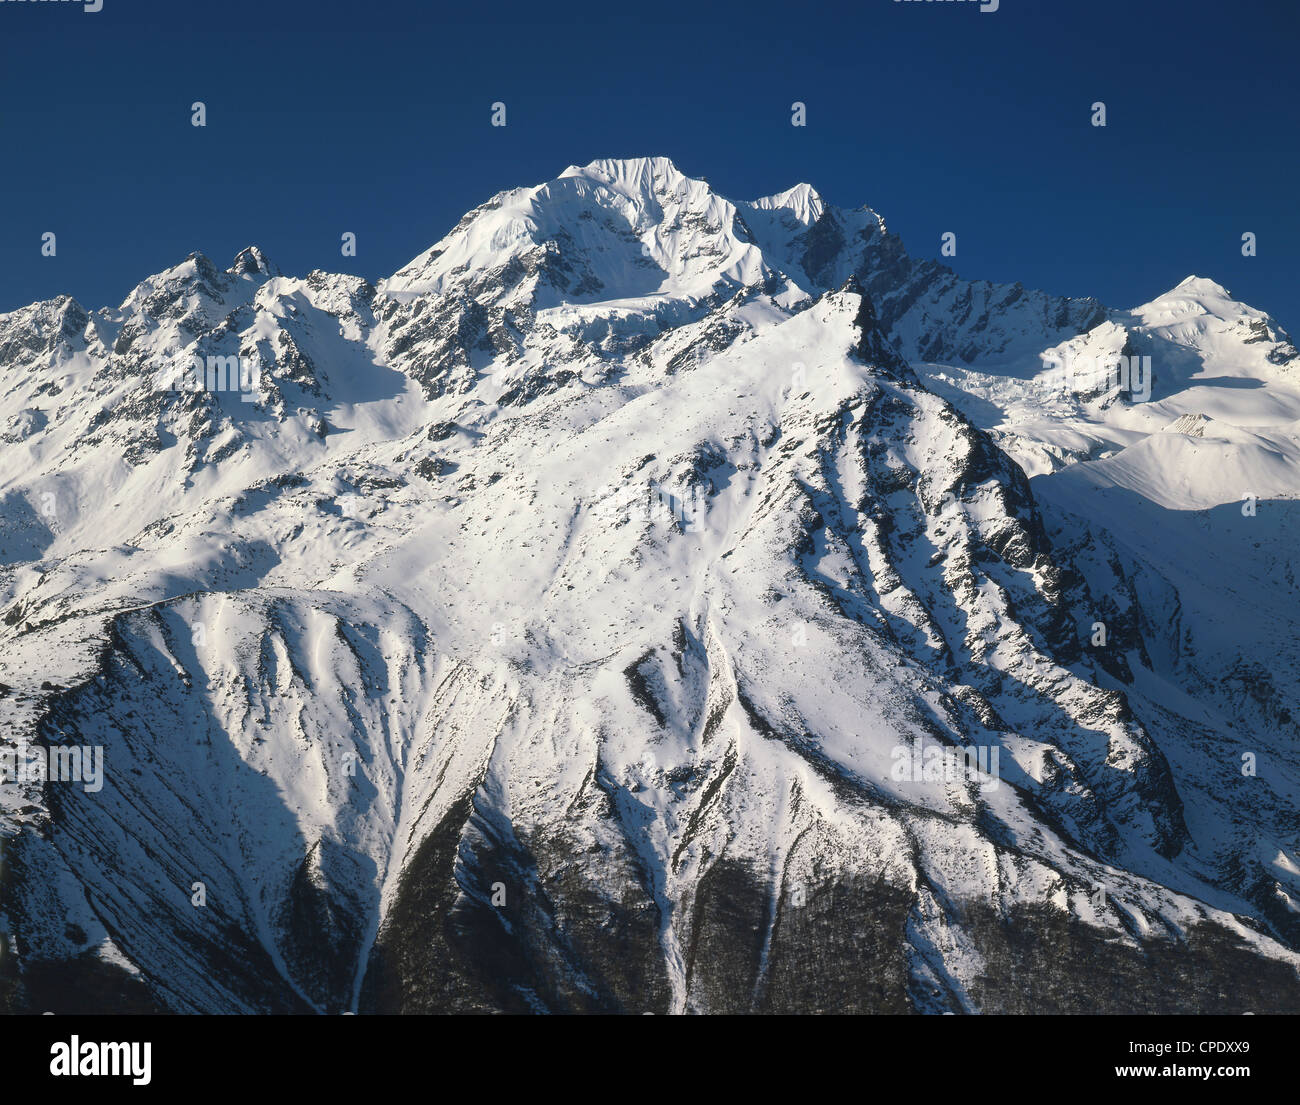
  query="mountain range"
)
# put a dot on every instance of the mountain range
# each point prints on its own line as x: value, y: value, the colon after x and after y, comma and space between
x: 645, y: 601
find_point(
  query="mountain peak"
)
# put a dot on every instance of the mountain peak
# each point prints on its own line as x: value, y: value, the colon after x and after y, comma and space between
x: 615, y: 228
x: 873, y: 346
x: 629, y: 170
x: 637, y: 178
x: 802, y: 201
x: 251, y: 261
x: 1201, y: 285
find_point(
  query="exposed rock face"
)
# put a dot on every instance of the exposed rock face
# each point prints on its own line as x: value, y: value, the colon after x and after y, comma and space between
x: 617, y: 610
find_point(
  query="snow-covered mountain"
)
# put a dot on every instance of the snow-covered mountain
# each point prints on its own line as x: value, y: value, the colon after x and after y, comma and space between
x: 645, y: 601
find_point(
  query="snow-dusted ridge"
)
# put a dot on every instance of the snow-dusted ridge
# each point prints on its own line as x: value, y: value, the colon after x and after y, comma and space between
x: 556, y: 625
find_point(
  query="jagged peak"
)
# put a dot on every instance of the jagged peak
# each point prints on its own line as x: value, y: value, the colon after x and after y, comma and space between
x: 803, y: 201
x: 873, y: 346
x: 1193, y: 425
x: 195, y: 266
x: 629, y: 173
x: 252, y: 261
x: 196, y: 273
x: 61, y: 306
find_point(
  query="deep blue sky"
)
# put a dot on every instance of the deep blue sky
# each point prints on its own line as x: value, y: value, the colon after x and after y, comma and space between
x: 325, y: 117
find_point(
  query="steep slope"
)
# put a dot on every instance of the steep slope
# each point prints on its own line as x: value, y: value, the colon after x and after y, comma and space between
x: 1176, y: 501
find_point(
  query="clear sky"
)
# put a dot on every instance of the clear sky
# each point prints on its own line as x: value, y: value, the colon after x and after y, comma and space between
x: 374, y: 118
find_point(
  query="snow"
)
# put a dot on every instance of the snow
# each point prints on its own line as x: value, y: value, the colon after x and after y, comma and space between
x: 611, y: 528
